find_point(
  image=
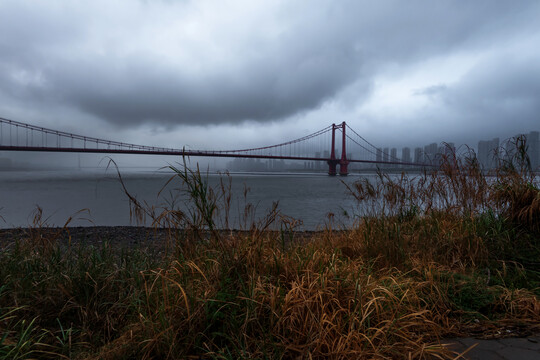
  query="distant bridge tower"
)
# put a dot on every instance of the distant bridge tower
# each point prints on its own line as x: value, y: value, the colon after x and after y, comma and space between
x: 343, y: 162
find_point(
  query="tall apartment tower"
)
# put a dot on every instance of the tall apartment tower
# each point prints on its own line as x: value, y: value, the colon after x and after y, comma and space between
x: 483, y: 152
x: 488, y: 153
x: 508, y: 150
x: 430, y: 152
x: 418, y: 155
x: 533, y: 149
x: 406, y: 155
x: 393, y: 154
x: 449, y: 149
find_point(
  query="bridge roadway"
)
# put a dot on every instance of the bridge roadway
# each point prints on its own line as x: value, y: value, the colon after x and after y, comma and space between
x: 190, y: 153
x: 14, y: 129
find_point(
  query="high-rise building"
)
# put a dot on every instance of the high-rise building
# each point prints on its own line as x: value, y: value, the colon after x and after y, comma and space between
x: 533, y: 149
x: 449, y: 149
x: 483, y: 152
x: 378, y: 156
x: 508, y: 151
x: 430, y: 152
x: 488, y: 151
x: 393, y: 154
x: 406, y: 155
x: 418, y: 155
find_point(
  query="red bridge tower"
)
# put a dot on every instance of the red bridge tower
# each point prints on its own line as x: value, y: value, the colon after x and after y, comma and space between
x: 343, y: 162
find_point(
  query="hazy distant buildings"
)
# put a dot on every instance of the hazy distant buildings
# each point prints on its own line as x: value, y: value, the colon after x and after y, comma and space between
x: 430, y: 153
x: 449, y: 149
x: 491, y: 151
x: 318, y: 164
x: 378, y: 155
x: 533, y: 149
x: 406, y: 155
x: 385, y: 154
x: 393, y: 154
x: 255, y: 164
x: 488, y: 153
x: 444, y: 151
x: 418, y: 155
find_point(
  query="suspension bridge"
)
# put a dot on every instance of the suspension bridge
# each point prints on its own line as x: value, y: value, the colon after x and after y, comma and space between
x: 319, y: 146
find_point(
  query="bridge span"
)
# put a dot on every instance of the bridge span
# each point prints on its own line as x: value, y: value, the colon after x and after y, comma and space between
x: 317, y: 146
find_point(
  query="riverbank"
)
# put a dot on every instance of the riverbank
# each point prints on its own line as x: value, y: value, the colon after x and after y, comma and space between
x: 119, y: 238
x: 125, y: 292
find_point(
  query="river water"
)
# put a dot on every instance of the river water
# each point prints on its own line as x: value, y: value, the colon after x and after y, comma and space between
x: 96, y: 197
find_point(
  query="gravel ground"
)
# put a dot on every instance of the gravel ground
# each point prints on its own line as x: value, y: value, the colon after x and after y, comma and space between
x: 116, y: 236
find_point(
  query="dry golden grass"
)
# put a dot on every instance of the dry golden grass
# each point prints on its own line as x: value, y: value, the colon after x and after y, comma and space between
x: 309, y: 301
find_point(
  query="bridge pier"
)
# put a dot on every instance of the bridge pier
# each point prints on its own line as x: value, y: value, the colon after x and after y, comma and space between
x: 343, y: 168
x: 332, y: 167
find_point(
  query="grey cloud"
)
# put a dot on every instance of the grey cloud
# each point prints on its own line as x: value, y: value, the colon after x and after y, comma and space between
x: 259, y: 90
x: 431, y: 91
x: 500, y: 97
x: 283, y: 79
x: 63, y: 56
x: 501, y: 89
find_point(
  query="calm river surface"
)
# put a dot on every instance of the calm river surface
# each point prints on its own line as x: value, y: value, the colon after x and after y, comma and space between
x: 61, y: 194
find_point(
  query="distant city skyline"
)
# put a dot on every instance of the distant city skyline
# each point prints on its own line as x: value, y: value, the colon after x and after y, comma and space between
x: 489, y: 152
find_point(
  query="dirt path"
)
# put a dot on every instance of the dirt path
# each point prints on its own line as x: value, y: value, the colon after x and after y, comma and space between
x: 496, y: 349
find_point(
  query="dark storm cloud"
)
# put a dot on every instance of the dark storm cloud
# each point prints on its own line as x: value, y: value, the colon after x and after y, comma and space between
x: 499, y: 97
x: 504, y: 93
x: 259, y: 90
x: 497, y: 87
x: 281, y: 77
x: 137, y: 63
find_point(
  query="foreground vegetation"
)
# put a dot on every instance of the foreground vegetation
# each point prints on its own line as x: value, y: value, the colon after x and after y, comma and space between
x: 441, y: 254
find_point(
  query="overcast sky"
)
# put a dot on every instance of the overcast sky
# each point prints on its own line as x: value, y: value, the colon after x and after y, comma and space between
x: 227, y: 74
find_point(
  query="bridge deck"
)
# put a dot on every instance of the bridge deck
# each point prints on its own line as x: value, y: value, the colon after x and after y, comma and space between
x: 188, y: 153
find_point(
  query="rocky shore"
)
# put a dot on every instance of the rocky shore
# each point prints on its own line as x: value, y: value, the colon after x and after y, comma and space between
x: 115, y: 236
